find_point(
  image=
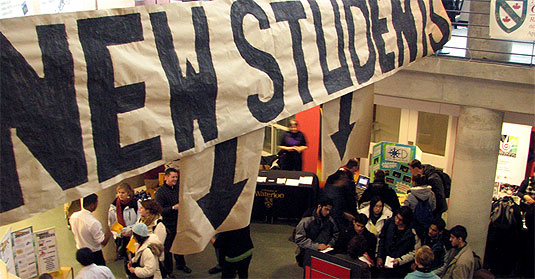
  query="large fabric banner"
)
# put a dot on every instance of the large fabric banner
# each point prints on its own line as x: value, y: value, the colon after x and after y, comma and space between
x: 346, y: 129
x: 512, y: 19
x: 217, y: 189
x: 91, y: 98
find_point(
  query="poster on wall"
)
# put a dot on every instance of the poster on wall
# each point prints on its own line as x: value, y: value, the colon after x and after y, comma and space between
x: 513, y: 154
x: 47, y: 250
x: 64, y: 6
x: 24, y: 253
x: 6, y: 252
x: 512, y: 19
x: 113, y: 4
x: 16, y: 8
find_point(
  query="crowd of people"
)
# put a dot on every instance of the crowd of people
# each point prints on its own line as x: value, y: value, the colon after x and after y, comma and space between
x: 385, y: 238
x: 144, y: 231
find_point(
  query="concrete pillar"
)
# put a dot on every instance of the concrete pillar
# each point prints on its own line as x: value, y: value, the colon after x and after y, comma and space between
x: 474, y: 170
x: 478, y: 34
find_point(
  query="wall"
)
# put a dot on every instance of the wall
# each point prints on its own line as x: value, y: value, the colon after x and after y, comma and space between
x: 309, y: 124
x: 56, y: 218
x: 468, y: 83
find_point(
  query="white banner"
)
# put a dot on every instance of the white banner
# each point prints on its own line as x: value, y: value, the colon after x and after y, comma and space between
x: 512, y: 19
x: 217, y: 189
x: 91, y: 98
x: 346, y: 129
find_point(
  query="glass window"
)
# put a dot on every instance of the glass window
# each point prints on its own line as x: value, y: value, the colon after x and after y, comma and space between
x: 267, y: 140
x: 274, y: 134
x: 432, y: 132
x: 385, y: 124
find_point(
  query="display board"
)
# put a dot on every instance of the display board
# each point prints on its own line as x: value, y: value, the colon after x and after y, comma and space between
x: 24, y: 253
x: 6, y: 252
x: 394, y: 159
x: 47, y: 251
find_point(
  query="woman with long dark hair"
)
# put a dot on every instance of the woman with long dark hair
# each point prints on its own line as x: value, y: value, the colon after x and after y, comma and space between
x: 377, y: 212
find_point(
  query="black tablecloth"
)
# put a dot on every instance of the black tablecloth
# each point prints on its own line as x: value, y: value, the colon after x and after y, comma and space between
x: 279, y: 200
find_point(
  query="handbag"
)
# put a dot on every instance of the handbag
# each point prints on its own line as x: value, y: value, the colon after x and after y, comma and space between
x: 133, y: 275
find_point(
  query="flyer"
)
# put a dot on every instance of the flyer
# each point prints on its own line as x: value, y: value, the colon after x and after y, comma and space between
x: 24, y: 253
x: 6, y: 252
x: 47, y: 251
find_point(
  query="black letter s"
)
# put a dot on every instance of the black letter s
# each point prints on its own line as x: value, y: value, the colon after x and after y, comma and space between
x: 262, y: 111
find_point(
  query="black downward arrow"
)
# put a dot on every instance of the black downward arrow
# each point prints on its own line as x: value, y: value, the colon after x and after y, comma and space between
x: 344, y: 128
x: 223, y: 194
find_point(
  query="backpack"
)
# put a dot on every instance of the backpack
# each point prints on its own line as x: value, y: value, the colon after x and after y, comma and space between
x: 446, y: 182
x: 423, y: 213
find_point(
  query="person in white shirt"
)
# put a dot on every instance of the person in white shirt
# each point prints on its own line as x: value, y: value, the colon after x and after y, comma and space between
x: 90, y: 270
x: 88, y: 231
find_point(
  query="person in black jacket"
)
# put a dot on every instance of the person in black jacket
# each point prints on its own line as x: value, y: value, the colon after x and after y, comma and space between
x: 167, y: 197
x: 435, y: 181
x: 236, y: 248
x: 398, y: 242
x: 434, y: 239
x: 341, y: 190
x: 358, y: 228
x: 381, y: 189
x: 292, y: 145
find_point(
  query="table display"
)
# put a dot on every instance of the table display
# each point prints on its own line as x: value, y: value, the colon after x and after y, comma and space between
x: 284, y: 194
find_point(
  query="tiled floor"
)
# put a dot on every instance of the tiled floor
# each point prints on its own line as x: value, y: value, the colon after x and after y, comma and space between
x: 273, y: 256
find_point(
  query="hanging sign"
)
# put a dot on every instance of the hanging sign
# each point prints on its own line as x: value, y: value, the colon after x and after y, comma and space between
x: 91, y: 98
x: 512, y: 19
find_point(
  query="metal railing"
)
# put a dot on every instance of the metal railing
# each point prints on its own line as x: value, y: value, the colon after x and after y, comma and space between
x: 465, y: 45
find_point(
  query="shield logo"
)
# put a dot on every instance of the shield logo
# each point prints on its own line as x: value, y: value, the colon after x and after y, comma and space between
x: 268, y: 202
x: 510, y: 14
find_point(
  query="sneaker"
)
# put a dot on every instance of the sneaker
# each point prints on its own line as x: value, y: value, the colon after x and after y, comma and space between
x: 215, y: 269
x: 184, y: 268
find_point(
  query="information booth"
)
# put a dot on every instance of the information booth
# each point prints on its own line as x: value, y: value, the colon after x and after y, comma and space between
x: 284, y: 194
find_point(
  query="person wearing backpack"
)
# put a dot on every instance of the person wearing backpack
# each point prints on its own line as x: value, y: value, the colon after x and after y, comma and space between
x: 434, y: 179
x: 421, y: 200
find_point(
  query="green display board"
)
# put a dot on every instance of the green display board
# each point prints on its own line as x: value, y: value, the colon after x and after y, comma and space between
x: 393, y: 158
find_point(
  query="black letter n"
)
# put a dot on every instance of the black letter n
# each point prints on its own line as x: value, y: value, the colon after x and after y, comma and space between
x: 44, y: 113
x: 105, y: 100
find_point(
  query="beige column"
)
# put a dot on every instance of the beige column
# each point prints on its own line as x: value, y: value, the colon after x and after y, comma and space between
x: 478, y: 34
x: 474, y: 170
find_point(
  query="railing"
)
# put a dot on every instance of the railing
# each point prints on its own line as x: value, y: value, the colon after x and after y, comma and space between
x: 464, y: 44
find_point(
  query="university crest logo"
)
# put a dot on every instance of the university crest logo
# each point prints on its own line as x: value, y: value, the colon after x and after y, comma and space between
x: 510, y: 14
